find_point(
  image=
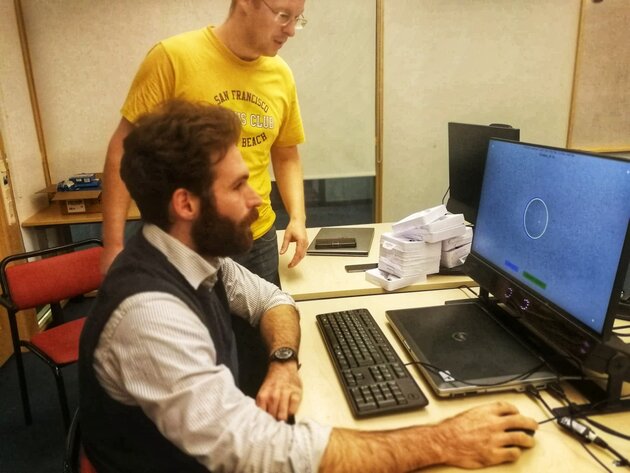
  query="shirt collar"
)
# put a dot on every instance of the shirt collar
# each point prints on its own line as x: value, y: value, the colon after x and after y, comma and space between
x: 194, y: 267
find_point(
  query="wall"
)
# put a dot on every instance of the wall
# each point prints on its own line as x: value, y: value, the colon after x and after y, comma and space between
x: 16, y: 123
x: 86, y: 53
x: 474, y: 61
x: 477, y: 61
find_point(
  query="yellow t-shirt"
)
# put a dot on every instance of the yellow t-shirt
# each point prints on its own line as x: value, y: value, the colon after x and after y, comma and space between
x: 197, y: 66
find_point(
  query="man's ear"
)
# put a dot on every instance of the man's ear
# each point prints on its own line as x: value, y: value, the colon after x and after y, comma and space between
x: 185, y: 205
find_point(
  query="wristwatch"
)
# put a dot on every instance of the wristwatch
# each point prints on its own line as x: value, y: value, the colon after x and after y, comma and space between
x: 283, y: 354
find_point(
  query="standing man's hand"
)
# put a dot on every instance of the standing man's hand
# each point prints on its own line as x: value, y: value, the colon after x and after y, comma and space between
x: 287, y: 167
x: 295, y: 232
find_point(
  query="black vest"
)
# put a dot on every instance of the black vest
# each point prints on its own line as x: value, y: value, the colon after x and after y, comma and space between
x: 119, y: 438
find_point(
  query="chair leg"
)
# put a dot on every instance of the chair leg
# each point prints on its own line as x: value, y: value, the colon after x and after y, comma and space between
x: 63, y: 398
x: 26, y: 405
x: 17, y: 351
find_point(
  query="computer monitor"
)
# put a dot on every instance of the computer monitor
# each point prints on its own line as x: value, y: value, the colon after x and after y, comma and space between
x: 552, y: 244
x: 467, y: 149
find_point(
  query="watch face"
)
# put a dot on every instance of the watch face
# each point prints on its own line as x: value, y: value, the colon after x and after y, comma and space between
x: 284, y: 354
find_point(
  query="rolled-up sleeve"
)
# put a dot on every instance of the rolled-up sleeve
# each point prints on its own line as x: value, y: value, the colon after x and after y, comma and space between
x: 249, y: 295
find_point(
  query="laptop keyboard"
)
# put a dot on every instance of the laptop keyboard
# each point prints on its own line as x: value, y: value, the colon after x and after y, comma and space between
x: 372, y: 376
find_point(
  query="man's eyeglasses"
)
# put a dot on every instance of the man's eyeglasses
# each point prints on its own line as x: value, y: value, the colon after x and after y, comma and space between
x: 283, y: 18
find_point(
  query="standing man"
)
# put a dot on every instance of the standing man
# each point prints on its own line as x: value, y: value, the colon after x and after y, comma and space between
x: 234, y: 65
x: 157, y: 361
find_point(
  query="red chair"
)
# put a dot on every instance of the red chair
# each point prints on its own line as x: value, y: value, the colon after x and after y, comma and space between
x: 74, y: 459
x: 63, y: 272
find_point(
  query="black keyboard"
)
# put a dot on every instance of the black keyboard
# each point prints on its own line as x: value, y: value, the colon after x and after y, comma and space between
x: 373, y: 377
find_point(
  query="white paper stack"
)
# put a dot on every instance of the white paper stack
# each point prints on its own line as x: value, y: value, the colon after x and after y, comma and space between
x: 456, y: 249
x: 405, y: 257
x: 417, y: 245
x: 391, y: 282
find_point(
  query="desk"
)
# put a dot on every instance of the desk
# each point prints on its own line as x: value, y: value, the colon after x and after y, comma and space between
x: 52, y: 217
x: 324, y: 400
x: 322, y: 277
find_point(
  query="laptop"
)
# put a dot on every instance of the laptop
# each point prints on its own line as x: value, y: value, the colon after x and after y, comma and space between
x: 342, y: 241
x: 461, y: 349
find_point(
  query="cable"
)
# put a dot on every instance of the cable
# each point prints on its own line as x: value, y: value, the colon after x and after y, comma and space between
x: 445, y: 194
x: 587, y: 435
x: 474, y: 294
x: 619, y: 334
x: 445, y: 373
x: 606, y: 429
x: 594, y: 457
x: 578, y: 429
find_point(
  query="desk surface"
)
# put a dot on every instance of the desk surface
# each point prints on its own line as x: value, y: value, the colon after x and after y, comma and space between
x: 322, y: 277
x: 324, y: 400
x: 52, y: 215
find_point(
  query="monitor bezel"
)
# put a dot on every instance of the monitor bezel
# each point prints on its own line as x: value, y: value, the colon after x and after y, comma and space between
x: 540, y: 313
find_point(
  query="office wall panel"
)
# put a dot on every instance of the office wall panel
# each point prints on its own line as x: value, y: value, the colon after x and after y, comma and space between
x: 85, y: 54
x: 600, y: 111
x: 473, y: 61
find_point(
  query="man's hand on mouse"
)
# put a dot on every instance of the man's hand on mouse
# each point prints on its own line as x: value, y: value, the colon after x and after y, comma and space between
x: 485, y: 435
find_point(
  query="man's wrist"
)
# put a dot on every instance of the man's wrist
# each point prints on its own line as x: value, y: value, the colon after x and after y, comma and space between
x: 284, y: 355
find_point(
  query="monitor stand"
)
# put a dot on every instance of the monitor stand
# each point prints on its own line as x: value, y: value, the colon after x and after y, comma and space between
x: 614, y: 353
x: 608, y: 400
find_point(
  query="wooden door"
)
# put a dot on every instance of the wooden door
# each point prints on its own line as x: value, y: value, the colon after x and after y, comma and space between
x: 10, y: 243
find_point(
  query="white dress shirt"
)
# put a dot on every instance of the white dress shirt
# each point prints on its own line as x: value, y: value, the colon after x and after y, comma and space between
x: 155, y: 353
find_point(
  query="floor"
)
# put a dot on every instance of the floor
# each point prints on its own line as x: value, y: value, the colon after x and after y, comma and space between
x: 37, y: 448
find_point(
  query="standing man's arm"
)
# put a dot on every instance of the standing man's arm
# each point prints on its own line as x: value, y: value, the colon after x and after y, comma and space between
x: 287, y: 167
x: 116, y: 198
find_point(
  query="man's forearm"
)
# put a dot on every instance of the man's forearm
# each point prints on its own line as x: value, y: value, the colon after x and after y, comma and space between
x: 116, y: 202
x: 280, y: 327
x: 116, y: 198
x: 287, y: 168
x: 485, y: 435
x: 394, y: 451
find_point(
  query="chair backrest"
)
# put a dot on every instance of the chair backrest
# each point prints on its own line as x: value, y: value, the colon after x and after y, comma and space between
x: 53, y: 278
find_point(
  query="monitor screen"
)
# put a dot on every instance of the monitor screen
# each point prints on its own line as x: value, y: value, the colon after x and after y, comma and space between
x: 555, y: 222
x: 467, y: 149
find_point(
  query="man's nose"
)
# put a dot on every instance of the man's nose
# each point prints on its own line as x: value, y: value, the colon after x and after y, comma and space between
x: 289, y: 28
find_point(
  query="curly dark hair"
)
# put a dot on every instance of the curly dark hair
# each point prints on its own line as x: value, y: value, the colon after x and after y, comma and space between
x: 175, y: 147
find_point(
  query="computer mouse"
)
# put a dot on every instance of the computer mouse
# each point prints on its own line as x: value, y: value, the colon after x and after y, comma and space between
x: 529, y: 432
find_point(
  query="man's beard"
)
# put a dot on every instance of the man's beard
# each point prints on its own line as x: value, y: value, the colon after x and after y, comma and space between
x: 216, y: 235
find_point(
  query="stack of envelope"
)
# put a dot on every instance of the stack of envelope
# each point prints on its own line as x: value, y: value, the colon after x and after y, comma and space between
x: 414, y: 248
x: 456, y: 249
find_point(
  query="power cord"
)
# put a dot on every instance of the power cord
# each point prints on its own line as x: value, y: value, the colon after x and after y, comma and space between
x: 445, y: 194
x: 576, y: 428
